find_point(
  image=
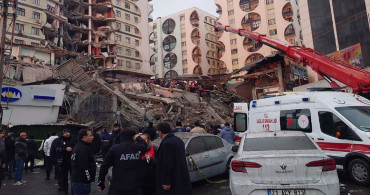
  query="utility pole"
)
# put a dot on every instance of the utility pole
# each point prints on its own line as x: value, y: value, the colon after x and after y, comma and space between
x: 4, y: 11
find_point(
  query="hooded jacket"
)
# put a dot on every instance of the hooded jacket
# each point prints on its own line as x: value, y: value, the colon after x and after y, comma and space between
x: 21, y: 151
x: 228, y: 135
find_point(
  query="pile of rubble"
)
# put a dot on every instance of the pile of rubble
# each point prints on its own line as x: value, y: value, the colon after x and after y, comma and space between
x: 93, y: 99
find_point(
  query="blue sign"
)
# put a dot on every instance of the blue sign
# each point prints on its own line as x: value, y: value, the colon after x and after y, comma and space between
x: 10, y: 94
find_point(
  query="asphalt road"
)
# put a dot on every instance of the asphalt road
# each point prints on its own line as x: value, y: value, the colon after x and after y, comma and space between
x: 36, y: 184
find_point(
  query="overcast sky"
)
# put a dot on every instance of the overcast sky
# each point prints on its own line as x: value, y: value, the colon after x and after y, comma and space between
x: 167, y: 7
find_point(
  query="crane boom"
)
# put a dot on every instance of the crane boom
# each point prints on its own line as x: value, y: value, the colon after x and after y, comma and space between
x: 356, y: 78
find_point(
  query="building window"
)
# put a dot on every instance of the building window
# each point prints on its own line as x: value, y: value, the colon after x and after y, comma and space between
x: 183, y: 35
x: 37, y: 2
x: 137, y: 54
x: 183, y: 44
x: 35, y: 31
x: 128, y: 52
x: 270, y: 11
x: 19, y: 27
x: 235, y: 61
x: 117, y: 38
x: 118, y: 13
x: 184, y: 52
x: 184, y: 61
x: 137, y: 65
x: 269, y: 2
x: 233, y: 41
x: 137, y: 43
x: 273, y: 32
x: 119, y: 62
x: 137, y: 31
x: 128, y: 29
x: 127, y: 5
x: 182, y: 18
x: 272, y: 21
x: 119, y: 50
x: 18, y: 42
x: 230, y: 2
x: 128, y: 40
x: 231, y: 12
x: 118, y: 2
x: 128, y: 64
x: 36, y: 15
x: 118, y: 26
x: 136, y: 19
x: 234, y: 51
x: 35, y: 44
x: 136, y: 9
x: 21, y: 12
x: 127, y: 16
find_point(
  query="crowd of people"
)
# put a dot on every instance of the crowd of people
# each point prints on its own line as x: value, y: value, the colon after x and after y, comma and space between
x: 138, y: 167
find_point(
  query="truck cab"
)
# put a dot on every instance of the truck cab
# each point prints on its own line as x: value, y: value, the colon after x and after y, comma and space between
x: 338, y: 122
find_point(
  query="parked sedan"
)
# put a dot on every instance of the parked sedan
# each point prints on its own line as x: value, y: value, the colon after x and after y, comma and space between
x: 210, y: 153
x: 284, y: 162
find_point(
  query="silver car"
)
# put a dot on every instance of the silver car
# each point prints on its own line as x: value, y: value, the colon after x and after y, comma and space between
x: 282, y: 162
x: 209, y: 152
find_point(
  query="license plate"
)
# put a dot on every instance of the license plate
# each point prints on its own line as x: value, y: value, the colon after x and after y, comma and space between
x: 286, y: 192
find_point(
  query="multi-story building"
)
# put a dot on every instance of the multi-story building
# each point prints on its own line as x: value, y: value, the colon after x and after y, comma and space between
x: 275, y: 18
x: 332, y: 25
x: 106, y: 34
x: 185, y: 43
x: 28, y: 37
x: 132, y: 35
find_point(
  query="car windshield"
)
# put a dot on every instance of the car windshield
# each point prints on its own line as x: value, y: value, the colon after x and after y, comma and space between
x: 357, y: 115
x: 278, y: 143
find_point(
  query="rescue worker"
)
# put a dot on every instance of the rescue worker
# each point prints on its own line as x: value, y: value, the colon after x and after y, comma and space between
x: 125, y: 159
x: 83, y: 164
x: 105, y: 137
x: 115, y: 135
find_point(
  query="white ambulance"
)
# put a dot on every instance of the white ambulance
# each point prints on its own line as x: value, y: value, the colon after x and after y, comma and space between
x: 338, y: 122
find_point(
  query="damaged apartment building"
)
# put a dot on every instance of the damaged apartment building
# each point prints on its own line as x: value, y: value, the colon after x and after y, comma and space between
x: 111, y: 36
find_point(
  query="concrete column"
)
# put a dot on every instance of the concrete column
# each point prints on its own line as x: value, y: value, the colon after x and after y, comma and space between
x: 90, y: 26
x: 281, y: 80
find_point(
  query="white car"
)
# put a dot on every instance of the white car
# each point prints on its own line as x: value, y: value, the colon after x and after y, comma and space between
x: 282, y: 163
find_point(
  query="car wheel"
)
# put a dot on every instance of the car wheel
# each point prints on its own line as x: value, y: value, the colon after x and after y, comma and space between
x: 359, y: 171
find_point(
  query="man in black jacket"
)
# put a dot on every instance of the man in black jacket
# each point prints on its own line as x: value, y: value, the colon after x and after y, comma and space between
x: 32, y: 149
x: 150, y: 130
x: 95, y: 144
x: 10, y: 154
x: 172, y: 172
x: 115, y: 135
x: 64, y: 146
x: 21, y: 154
x: 83, y: 164
x: 2, y: 157
x: 125, y: 159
